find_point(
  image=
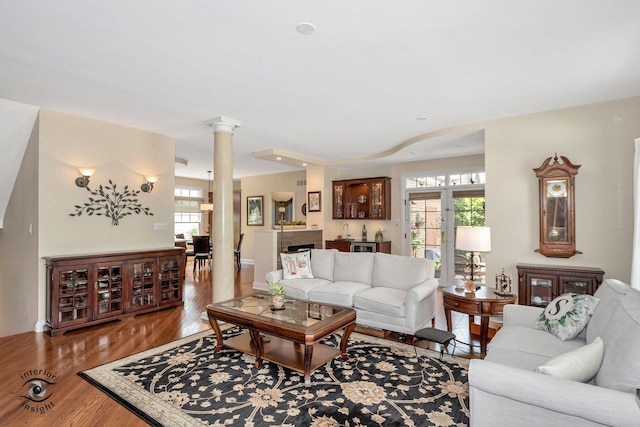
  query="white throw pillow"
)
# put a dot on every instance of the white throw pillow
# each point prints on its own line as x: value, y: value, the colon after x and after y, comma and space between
x: 296, y: 265
x: 580, y: 364
x: 567, y: 315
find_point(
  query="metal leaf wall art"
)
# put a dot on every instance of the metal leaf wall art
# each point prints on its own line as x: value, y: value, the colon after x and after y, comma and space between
x: 111, y: 203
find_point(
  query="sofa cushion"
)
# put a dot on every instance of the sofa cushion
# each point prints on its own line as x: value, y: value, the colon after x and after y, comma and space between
x: 525, y: 339
x: 612, y: 287
x: 299, y: 288
x: 353, y: 267
x: 620, y: 368
x: 567, y: 315
x: 296, y: 265
x: 580, y: 364
x: 388, y: 301
x: 516, y: 358
x: 400, y: 272
x: 609, y: 293
x: 338, y: 293
x: 322, y: 262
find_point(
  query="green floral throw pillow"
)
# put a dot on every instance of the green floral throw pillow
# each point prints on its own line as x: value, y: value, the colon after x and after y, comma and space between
x: 567, y: 315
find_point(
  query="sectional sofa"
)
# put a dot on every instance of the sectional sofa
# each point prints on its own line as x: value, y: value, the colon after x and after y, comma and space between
x: 505, y: 389
x: 390, y: 292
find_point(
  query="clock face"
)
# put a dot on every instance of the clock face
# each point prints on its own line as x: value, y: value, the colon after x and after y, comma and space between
x: 557, y: 188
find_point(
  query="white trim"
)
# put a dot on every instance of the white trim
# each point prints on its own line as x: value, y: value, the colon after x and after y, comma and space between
x: 635, y: 265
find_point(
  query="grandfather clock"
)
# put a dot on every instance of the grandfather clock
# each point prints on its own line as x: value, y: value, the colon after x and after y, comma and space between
x: 557, y: 207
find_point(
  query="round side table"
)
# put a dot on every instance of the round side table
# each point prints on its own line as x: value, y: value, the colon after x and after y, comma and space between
x: 483, y: 302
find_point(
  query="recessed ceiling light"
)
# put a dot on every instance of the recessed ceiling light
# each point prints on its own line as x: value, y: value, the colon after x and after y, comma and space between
x: 278, y: 158
x: 304, y: 164
x: 306, y: 28
x: 421, y: 118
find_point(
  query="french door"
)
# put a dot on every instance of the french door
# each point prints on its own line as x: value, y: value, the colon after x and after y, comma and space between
x: 431, y: 219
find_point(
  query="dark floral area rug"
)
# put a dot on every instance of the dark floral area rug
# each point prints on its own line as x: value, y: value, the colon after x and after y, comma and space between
x: 184, y: 383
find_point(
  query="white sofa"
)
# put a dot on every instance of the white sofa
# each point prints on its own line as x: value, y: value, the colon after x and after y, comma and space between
x: 505, y: 390
x: 390, y: 292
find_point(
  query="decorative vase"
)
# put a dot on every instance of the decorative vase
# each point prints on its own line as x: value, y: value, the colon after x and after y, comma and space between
x: 379, y: 236
x: 470, y: 286
x: 277, y: 301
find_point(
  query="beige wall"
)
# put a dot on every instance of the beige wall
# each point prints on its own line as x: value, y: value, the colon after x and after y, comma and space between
x: 124, y: 155
x: 19, y: 290
x: 600, y: 138
x: 263, y: 185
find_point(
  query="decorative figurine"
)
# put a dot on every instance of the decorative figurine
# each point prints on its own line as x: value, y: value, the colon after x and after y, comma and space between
x: 503, y: 284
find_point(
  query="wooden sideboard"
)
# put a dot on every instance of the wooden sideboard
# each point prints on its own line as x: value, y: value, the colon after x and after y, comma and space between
x: 85, y: 290
x: 539, y: 284
x: 358, y: 246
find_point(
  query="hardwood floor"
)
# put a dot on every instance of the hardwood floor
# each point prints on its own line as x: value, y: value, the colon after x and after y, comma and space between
x: 73, y: 401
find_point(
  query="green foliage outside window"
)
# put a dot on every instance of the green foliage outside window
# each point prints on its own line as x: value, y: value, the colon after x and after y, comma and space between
x: 469, y: 211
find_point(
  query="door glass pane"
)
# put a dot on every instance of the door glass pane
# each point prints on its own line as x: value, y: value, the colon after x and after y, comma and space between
x: 426, y: 223
x: 469, y: 210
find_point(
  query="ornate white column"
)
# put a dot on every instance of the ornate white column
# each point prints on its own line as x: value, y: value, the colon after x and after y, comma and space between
x: 223, y: 258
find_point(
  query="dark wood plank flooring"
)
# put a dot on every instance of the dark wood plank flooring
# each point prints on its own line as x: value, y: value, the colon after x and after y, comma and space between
x: 73, y: 401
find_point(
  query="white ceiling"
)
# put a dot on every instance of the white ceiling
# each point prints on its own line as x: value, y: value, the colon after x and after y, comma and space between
x: 352, y: 89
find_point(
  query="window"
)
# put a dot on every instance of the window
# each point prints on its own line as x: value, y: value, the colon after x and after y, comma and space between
x: 187, y: 214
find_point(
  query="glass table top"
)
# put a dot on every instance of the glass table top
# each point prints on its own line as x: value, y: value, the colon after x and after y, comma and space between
x: 295, y: 311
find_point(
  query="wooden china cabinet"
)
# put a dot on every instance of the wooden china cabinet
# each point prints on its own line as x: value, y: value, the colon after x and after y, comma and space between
x: 84, y: 290
x: 538, y: 285
x: 366, y: 198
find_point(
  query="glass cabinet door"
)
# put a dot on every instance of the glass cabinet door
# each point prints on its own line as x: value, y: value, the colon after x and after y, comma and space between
x: 338, y: 201
x: 377, y: 200
x: 541, y: 290
x: 73, y: 296
x: 108, y: 296
x: 141, y: 294
x: 169, y: 280
x: 575, y: 285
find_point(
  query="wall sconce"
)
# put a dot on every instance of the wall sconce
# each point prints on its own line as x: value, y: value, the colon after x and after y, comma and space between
x: 147, y: 187
x: 83, y: 181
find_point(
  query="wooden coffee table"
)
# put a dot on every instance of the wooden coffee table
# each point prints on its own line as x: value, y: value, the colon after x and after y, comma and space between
x: 288, y: 337
x: 483, y: 302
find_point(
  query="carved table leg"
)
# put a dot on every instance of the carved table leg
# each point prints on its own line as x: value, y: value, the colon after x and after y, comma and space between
x: 216, y: 328
x: 308, y: 355
x: 345, y: 338
x: 257, y: 342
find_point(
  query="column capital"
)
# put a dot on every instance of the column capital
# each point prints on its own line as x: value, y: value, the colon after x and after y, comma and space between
x: 223, y: 124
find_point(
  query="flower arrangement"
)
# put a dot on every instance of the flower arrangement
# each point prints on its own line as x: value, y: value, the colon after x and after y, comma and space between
x: 275, y: 288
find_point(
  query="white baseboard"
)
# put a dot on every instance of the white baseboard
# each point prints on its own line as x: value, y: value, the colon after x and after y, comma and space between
x: 39, y: 326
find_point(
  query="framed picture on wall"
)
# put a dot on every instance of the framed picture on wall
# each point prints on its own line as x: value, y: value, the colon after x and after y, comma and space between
x: 255, y: 210
x: 313, y: 204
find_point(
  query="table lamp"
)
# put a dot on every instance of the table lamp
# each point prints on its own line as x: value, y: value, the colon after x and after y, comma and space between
x: 473, y: 239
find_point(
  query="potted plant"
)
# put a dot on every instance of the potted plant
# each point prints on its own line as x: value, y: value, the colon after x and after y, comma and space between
x: 277, y: 292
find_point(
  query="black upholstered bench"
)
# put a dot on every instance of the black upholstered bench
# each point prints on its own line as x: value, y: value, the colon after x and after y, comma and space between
x: 435, y: 335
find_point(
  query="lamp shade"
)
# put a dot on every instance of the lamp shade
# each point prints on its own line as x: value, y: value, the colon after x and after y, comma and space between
x: 474, y: 239
x: 282, y: 196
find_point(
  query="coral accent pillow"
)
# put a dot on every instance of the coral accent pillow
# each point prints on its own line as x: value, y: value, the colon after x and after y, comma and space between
x: 296, y: 265
x: 567, y: 315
